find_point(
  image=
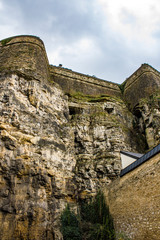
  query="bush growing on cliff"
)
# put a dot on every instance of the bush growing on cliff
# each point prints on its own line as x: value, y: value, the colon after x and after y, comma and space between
x: 97, y: 223
x: 70, y: 225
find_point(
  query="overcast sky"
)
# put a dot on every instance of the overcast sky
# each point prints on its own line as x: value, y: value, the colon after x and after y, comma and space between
x: 106, y: 38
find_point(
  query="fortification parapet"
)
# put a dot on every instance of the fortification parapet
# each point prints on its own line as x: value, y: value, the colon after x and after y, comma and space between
x: 141, y: 84
x: 71, y: 81
x: 24, y: 54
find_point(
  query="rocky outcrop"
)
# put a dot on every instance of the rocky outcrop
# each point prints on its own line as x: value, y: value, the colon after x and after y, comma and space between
x: 54, y: 151
x: 58, y: 147
x: 147, y: 114
x: 102, y: 127
x: 37, y: 158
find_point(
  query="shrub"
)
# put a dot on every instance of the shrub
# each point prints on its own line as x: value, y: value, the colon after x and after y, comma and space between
x: 96, y: 215
x: 70, y: 225
x: 95, y: 221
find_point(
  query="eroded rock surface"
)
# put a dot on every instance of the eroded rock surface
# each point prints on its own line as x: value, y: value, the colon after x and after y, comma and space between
x: 147, y: 119
x: 60, y: 145
x: 37, y: 158
x: 53, y: 151
x: 101, y: 130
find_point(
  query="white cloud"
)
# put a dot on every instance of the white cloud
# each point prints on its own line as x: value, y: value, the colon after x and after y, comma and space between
x: 89, y: 36
x: 136, y: 20
x: 81, y: 51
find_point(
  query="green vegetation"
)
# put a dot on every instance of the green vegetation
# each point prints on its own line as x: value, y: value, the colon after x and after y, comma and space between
x: 79, y: 96
x: 97, y: 223
x: 70, y: 225
x: 122, y: 86
x: 5, y: 41
x: 93, y: 223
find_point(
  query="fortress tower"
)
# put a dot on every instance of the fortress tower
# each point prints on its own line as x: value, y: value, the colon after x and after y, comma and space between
x: 26, y: 55
x: 143, y: 83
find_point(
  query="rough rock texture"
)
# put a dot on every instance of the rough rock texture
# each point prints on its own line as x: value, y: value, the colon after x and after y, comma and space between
x: 37, y: 158
x: 147, y: 114
x: 52, y: 154
x: 102, y: 127
x: 55, y: 148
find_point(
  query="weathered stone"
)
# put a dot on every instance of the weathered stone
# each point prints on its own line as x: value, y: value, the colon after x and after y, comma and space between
x: 134, y: 201
x: 55, y: 148
x: 35, y: 161
x: 141, y: 84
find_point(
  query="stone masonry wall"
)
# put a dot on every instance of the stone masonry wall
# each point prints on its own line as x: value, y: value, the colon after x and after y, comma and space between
x: 71, y: 81
x: 141, y: 84
x: 24, y: 54
x: 134, y: 201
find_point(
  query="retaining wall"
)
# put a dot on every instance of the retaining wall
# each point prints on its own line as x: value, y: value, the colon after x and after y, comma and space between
x: 134, y: 201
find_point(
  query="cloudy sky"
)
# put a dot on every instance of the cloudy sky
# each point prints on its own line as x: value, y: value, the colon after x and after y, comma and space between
x: 106, y: 38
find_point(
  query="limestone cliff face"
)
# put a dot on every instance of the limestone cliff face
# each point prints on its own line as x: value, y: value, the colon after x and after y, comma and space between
x: 141, y: 92
x: 37, y: 158
x: 147, y: 119
x: 102, y: 128
x: 53, y: 151
x: 57, y: 147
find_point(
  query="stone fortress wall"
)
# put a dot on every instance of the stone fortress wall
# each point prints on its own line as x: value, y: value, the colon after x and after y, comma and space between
x: 145, y: 78
x: 71, y: 82
x: 27, y: 55
x: 144, y: 82
x: 141, y: 84
x: 133, y: 201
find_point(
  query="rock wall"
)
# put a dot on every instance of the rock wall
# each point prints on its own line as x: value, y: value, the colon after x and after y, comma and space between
x: 54, y: 151
x: 147, y: 114
x: 60, y: 143
x: 134, y: 201
x: 37, y: 158
x: 102, y: 127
